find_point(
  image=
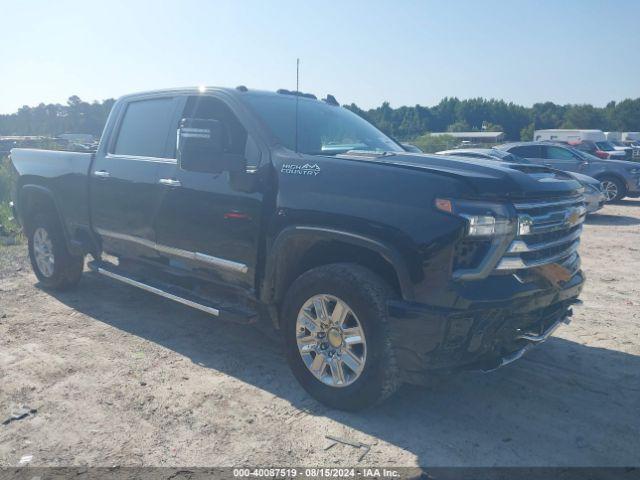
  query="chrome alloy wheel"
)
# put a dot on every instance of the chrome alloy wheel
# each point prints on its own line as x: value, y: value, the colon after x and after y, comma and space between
x: 43, y: 252
x: 331, y: 340
x: 609, y: 189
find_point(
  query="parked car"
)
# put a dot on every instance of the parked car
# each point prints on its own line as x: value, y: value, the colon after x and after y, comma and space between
x: 604, y: 150
x: 593, y: 196
x: 618, y: 178
x: 635, y: 145
x: 615, y: 139
x: 595, y: 142
x: 630, y: 153
x: 375, y: 266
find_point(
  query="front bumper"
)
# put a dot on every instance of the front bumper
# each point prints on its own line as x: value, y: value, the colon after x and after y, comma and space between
x: 633, y: 187
x: 491, y: 330
x: 528, y: 340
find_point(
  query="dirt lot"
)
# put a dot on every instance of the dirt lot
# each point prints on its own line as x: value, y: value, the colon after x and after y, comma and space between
x: 121, y: 377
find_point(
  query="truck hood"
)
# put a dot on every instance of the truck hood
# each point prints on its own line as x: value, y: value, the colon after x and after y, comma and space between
x: 487, y: 178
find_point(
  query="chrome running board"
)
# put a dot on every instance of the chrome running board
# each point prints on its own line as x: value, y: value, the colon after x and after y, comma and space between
x: 157, y: 291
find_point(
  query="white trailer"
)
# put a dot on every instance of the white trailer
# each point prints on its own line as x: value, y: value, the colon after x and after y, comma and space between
x: 565, y: 135
x: 613, y: 136
x: 630, y: 136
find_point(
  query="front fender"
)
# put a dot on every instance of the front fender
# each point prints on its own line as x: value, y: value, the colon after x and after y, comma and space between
x: 300, y: 237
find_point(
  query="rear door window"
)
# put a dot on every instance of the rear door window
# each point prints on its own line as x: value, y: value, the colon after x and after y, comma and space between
x: 527, y: 151
x: 146, y: 128
x: 558, y: 153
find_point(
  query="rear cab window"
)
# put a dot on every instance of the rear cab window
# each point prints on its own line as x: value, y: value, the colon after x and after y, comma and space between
x: 147, y: 129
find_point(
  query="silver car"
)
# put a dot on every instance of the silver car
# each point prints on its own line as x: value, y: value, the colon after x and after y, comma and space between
x: 618, y: 178
x: 593, y: 195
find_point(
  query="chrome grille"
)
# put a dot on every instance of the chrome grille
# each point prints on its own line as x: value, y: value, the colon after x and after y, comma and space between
x: 548, y: 232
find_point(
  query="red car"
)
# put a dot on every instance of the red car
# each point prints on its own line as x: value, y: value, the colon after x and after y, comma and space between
x: 599, y: 149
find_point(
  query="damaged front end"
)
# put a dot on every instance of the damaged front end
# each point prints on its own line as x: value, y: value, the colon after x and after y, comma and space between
x: 503, y: 302
x: 515, y: 341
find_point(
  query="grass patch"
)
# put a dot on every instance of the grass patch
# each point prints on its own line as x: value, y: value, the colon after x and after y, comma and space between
x: 9, y: 229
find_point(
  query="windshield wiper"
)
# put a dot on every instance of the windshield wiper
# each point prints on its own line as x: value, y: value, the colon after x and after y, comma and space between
x: 355, y: 153
x: 370, y: 153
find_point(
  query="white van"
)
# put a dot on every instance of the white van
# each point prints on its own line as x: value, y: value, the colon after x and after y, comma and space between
x: 613, y: 136
x: 564, y: 135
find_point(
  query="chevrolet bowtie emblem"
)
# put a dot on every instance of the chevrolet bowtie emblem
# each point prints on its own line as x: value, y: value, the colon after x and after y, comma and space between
x: 573, y: 216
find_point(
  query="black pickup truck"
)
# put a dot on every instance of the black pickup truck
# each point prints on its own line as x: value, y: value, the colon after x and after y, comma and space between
x: 375, y: 266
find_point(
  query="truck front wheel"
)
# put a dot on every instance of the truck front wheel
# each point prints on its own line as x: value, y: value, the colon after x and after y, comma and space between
x: 337, y: 336
x: 52, y: 263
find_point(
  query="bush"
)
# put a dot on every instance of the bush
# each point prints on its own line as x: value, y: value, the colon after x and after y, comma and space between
x: 8, y: 225
x: 6, y: 179
x: 434, y: 143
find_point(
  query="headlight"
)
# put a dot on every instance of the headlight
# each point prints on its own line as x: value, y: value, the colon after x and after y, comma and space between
x: 634, y: 170
x: 484, y: 219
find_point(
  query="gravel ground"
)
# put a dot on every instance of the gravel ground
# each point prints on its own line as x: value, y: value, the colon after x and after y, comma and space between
x: 121, y: 377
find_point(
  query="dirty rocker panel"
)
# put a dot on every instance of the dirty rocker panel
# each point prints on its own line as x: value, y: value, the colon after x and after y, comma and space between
x: 196, y: 256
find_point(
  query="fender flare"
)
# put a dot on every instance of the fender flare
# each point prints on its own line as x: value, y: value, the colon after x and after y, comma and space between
x: 23, y: 206
x: 611, y: 174
x: 24, y: 200
x: 280, y: 247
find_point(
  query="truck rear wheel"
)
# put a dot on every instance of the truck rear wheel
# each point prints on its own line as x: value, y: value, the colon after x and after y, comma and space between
x: 52, y: 263
x: 337, y: 336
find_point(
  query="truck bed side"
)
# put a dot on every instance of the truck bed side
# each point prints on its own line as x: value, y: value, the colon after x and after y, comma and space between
x: 57, y: 178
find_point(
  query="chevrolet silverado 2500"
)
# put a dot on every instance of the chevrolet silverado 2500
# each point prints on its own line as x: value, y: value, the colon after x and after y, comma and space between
x: 376, y: 266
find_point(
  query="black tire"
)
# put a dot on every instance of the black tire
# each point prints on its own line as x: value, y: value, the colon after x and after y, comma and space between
x: 620, y: 187
x: 366, y: 294
x: 67, y: 268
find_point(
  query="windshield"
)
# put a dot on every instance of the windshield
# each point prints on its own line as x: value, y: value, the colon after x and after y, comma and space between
x: 605, y: 146
x: 322, y: 129
x: 584, y: 155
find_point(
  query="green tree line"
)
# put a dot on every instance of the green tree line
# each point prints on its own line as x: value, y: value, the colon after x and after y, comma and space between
x: 518, y: 122
x: 403, y: 123
x: 53, y: 119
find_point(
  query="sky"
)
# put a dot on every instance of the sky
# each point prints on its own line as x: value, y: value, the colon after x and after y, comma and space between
x: 405, y: 52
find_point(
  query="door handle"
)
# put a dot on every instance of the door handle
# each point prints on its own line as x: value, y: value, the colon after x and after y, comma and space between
x: 101, y: 173
x: 170, y: 182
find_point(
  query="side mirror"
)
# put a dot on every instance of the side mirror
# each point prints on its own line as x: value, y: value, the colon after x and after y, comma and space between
x: 201, y: 147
